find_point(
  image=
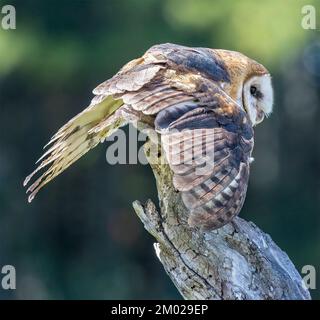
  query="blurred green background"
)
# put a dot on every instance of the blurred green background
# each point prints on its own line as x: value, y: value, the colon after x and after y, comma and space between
x: 80, y: 237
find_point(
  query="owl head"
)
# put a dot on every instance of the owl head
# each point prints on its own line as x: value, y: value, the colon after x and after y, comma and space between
x: 250, y: 84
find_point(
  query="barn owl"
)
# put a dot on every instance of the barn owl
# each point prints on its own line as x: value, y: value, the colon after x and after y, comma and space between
x: 217, y: 95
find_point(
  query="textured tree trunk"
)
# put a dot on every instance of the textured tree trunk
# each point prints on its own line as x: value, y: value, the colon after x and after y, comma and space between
x: 238, y: 261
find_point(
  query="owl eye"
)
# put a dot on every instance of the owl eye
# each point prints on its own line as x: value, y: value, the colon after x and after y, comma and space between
x: 253, y: 90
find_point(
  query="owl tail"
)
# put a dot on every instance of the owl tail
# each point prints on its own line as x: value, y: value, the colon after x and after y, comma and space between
x: 74, y: 139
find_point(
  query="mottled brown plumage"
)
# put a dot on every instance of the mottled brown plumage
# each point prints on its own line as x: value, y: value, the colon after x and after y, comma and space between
x: 195, y: 99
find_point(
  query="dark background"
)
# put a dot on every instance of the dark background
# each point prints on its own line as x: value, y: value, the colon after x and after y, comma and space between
x: 80, y: 237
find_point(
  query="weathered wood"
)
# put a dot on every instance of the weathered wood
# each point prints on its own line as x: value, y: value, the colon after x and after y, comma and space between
x: 237, y: 261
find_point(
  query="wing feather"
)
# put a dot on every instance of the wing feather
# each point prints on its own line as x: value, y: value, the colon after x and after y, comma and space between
x: 208, y: 149
x: 90, y: 127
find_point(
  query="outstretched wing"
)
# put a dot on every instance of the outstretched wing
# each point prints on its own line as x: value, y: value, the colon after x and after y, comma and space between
x: 91, y: 126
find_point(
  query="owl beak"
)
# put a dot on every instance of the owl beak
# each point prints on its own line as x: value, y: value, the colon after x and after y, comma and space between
x: 260, y: 116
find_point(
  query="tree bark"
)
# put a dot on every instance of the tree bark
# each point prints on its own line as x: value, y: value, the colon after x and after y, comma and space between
x: 237, y: 261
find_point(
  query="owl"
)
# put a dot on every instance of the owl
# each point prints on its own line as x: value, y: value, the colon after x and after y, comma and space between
x: 203, y: 103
